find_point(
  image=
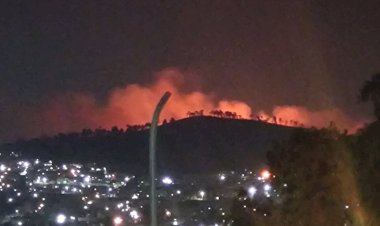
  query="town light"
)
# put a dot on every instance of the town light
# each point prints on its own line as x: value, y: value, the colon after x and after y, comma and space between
x: 265, y: 174
x: 87, y: 179
x: 202, y: 194
x: 134, y: 215
x: 167, y: 180
x: 60, y: 219
x: 168, y: 213
x: 117, y: 220
x: 251, y: 191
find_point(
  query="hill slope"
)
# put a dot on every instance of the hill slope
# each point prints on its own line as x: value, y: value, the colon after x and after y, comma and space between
x: 192, y: 145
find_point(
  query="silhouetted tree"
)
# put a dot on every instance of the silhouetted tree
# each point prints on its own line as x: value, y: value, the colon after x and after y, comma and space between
x: 146, y: 125
x: 100, y: 131
x: 367, y: 159
x: 217, y: 113
x: 229, y: 114
x: 314, y: 176
x: 371, y: 91
x: 190, y: 114
x: 133, y: 128
x: 115, y: 130
x: 367, y: 151
x: 86, y: 133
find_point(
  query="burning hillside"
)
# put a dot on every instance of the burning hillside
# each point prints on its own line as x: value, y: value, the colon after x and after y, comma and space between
x: 134, y: 104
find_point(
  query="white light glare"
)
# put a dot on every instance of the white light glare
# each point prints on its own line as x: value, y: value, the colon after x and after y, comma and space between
x: 60, y: 219
x: 267, y: 187
x: 167, y: 180
x: 87, y: 179
x: 168, y: 213
x: 134, y: 215
x: 202, y: 194
x: 25, y: 164
x: 251, y: 191
x: 117, y: 220
x: 135, y: 196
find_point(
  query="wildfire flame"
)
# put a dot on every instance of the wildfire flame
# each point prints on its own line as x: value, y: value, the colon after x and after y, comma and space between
x: 134, y: 104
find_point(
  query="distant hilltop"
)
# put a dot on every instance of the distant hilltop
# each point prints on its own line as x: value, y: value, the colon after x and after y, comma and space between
x: 193, y: 145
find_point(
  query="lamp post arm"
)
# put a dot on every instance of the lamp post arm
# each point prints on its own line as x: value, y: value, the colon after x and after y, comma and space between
x: 152, y: 157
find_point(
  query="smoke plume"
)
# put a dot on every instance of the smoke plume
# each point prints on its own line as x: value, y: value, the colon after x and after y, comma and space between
x: 134, y: 104
x: 301, y: 116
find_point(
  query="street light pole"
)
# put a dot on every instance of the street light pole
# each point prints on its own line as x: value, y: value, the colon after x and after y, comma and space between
x: 152, y: 158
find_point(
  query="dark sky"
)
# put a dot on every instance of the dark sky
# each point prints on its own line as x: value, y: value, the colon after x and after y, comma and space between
x: 308, y: 53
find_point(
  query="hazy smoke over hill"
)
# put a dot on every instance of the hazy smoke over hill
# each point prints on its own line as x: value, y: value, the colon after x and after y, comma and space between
x: 135, y: 103
x: 315, y: 118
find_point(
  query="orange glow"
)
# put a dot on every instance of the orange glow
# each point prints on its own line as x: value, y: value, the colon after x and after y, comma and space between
x: 301, y: 116
x: 265, y: 174
x: 134, y: 104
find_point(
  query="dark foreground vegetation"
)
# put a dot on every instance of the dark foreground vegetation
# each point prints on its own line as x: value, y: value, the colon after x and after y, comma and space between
x: 326, y: 177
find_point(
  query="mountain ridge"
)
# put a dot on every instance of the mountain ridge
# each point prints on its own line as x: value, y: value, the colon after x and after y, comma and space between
x: 192, y: 145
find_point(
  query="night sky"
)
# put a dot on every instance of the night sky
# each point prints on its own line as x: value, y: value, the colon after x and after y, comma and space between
x: 268, y: 53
